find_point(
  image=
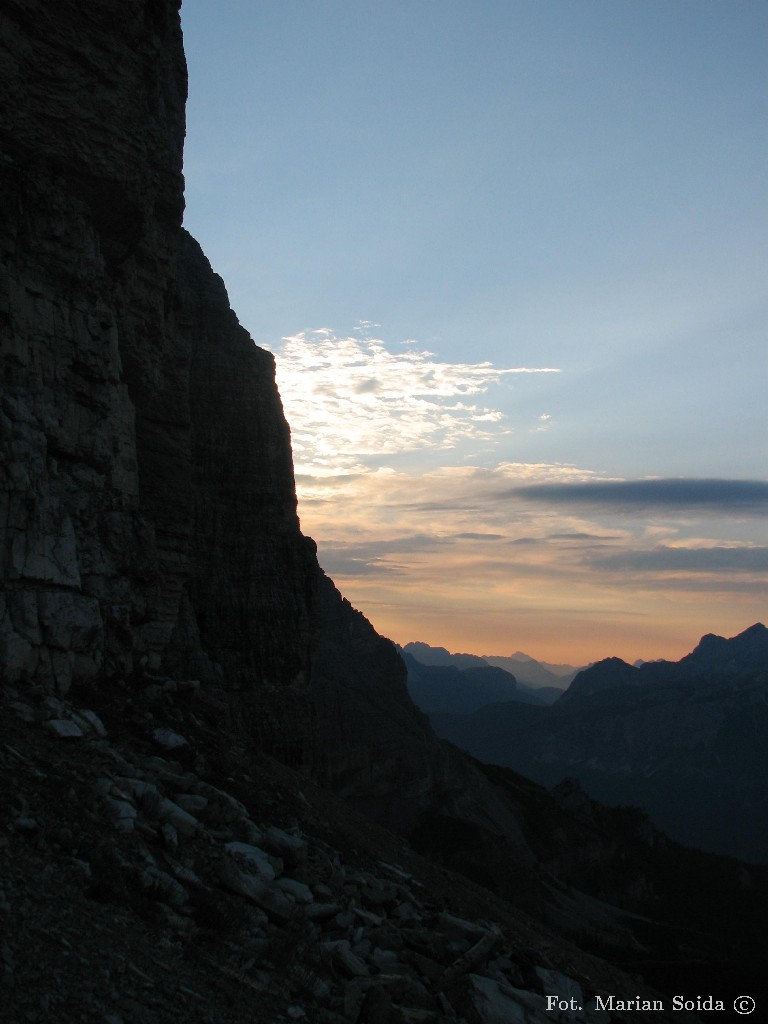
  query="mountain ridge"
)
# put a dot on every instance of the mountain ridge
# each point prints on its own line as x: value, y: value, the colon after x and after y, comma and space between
x: 526, y: 670
x: 684, y: 740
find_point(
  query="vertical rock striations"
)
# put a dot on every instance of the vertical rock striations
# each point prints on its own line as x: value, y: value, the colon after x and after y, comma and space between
x: 250, y: 571
x: 91, y: 133
x: 148, y: 508
x: 148, y: 505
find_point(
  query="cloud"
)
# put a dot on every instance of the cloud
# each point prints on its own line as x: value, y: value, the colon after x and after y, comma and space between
x: 669, y: 559
x: 480, y: 536
x: 581, y: 536
x: 445, y: 554
x: 748, y: 497
x: 352, y: 400
x: 435, y: 533
x: 340, y: 565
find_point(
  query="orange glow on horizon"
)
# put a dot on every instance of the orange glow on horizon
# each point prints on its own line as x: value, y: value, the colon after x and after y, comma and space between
x: 557, y: 637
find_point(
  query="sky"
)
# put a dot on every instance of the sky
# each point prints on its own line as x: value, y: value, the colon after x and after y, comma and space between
x: 510, y: 256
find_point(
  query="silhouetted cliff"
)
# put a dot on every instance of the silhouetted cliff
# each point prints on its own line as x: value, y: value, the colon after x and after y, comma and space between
x: 148, y: 501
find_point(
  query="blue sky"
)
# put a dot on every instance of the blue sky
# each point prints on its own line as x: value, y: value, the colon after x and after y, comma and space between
x: 512, y: 244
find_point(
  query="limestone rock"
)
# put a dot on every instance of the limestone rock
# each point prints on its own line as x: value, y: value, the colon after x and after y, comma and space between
x: 64, y: 728
x: 148, y: 516
x: 252, y: 858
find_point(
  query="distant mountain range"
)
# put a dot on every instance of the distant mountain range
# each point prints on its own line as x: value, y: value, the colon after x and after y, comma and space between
x: 532, y: 672
x: 687, y: 740
x: 439, y: 681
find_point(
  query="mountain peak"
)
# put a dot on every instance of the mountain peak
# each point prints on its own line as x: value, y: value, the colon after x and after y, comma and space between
x: 746, y: 650
x: 608, y: 674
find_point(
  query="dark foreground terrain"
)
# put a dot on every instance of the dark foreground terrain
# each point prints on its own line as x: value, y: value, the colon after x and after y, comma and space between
x: 208, y: 883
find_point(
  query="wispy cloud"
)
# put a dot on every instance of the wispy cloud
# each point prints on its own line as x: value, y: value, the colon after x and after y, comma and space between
x: 447, y: 556
x: 435, y: 544
x: 675, y: 559
x: 352, y: 400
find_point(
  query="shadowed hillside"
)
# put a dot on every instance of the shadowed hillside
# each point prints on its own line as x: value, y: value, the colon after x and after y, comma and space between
x: 685, y: 740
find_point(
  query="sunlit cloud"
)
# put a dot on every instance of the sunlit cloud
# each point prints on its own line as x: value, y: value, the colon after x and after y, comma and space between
x: 436, y: 544
x: 447, y: 556
x: 351, y: 400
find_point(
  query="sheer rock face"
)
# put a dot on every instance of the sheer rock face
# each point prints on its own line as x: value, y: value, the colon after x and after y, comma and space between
x: 91, y: 137
x: 148, y: 508
x: 147, y: 498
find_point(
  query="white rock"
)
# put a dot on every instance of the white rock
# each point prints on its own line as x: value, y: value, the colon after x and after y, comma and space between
x: 300, y: 892
x: 169, y: 740
x: 497, y: 1003
x: 185, y: 824
x: 322, y: 911
x: 253, y: 859
x: 246, y: 884
x: 123, y: 814
x: 25, y: 824
x: 164, y: 885
x: 395, y: 869
x: 25, y: 712
x: 556, y: 984
x: 350, y: 964
x: 368, y: 916
x: 64, y: 728
x: 191, y: 803
x: 221, y: 806
x: 384, y: 958
x: 170, y: 836
x: 55, y: 706
x: 283, y: 843
x: 93, y: 721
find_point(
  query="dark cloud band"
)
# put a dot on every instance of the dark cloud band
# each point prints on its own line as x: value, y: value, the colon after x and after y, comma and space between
x: 746, y: 496
x: 688, y: 560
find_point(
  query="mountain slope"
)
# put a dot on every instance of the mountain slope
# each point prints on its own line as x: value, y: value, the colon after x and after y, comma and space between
x: 687, y: 741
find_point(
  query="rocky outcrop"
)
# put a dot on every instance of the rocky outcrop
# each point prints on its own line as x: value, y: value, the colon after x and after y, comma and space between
x: 147, y: 497
x: 150, y: 873
x: 91, y: 140
x: 148, y: 508
x: 377, y: 749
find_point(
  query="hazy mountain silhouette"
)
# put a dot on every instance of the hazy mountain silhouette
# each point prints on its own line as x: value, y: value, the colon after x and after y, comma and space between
x: 687, y: 741
x: 441, y: 681
x: 532, y: 672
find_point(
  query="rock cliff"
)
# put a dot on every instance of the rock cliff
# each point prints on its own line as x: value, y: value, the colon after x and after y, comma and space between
x: 149, y: 521
x: 149, y: 514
